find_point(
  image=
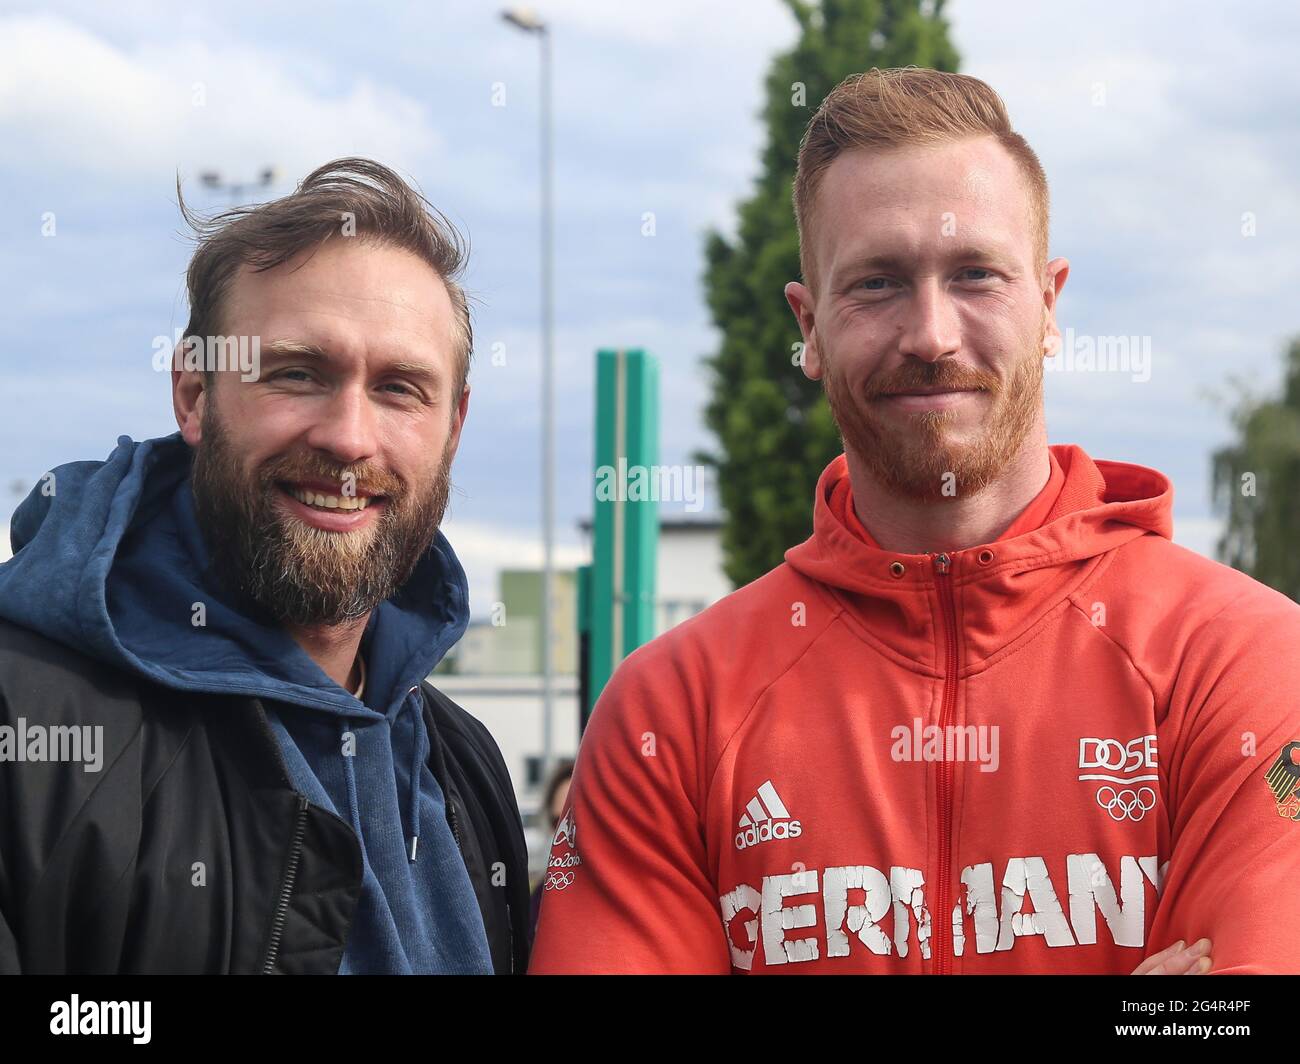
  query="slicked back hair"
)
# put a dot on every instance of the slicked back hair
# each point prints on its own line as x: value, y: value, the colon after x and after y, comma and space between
x: 349, y: 198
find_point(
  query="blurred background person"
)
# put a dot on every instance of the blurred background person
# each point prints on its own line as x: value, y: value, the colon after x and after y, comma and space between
x: 553, y: 801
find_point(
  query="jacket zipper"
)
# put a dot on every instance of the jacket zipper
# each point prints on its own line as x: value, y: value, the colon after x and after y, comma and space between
x: 942, y: 921
x: 455, y: 822
x: 286, y: 888
x: 453, y: 816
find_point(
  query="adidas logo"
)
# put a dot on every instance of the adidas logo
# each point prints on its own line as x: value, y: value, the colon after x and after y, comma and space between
x: 766, y: 817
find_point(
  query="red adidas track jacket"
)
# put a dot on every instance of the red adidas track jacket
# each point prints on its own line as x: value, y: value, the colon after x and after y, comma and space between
x: 1057, y: 752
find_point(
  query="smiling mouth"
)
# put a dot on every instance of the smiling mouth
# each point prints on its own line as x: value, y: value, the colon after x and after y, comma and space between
x: 320, y: 500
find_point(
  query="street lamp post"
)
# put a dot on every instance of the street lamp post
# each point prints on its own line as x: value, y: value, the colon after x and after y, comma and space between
x: 527, y: 21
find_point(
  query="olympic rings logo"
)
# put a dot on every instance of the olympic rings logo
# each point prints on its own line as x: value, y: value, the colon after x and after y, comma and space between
x: 1127, y: 804
x: 558, y: 880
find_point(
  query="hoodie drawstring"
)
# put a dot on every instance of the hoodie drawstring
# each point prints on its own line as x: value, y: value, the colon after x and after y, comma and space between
x: 349, y: 774
x: 419, y: 752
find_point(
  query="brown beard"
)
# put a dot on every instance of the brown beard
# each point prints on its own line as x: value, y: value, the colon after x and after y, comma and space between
x: 293, y: 572
x: 914, y: 463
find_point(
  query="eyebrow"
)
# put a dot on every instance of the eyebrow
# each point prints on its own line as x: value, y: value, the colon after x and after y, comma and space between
x: 898, y: 264
x: 284, y: 349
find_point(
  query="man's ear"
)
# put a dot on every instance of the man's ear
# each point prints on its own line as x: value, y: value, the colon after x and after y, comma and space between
x: 802, y: 303
x: 458, y: 422
x: 1053, y: 281
x: 189, y: 398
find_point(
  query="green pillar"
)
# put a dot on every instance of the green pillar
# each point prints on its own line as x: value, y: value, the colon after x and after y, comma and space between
x: 625, y: 527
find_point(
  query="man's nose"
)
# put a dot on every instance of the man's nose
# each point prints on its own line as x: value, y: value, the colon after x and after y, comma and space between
x: 346, y: 428
x: 931, y: 330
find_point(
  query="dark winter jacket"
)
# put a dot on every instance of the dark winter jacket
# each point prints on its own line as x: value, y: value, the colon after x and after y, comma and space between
x: 188, y: 851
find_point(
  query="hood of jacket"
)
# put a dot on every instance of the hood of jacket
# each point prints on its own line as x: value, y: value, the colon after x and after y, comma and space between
x: 109, y: 560
x: 998, y: 590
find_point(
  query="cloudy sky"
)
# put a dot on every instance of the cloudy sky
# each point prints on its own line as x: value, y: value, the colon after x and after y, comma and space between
x: 1161, y: 127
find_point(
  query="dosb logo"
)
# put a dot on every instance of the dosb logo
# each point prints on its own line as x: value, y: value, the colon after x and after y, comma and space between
x: 1114, y: 756
x: 1120, y: 795
x: 766, y: 818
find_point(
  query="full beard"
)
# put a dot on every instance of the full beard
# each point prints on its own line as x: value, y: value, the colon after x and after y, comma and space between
x: 290, y: 571
x: 922, y: 462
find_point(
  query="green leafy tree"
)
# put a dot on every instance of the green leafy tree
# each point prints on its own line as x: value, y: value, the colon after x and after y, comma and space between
x: 774, y: 429
x: 1257, y: 482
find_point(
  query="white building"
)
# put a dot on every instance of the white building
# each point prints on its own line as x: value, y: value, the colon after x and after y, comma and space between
x: 485, y: 679
x: 688, y: 569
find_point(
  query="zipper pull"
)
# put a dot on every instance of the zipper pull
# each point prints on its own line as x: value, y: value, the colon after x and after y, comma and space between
x: 941, y: 563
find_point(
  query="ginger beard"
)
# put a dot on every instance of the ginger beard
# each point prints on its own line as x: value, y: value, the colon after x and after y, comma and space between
x: 292, y: 571
x: 912, y: 461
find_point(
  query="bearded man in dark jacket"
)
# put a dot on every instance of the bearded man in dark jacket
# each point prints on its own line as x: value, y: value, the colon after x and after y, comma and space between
x: 218, y: 748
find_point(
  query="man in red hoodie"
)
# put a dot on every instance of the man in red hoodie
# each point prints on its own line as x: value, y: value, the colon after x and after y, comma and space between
x: 988, y: 718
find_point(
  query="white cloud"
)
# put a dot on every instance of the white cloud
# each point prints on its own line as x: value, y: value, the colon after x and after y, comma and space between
x: 73, y: 101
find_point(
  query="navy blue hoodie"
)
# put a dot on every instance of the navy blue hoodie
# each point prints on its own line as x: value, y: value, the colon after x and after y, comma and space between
x: 109, y: 560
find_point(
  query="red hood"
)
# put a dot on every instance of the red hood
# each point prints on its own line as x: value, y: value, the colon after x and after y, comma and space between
x: 1001, y: 588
